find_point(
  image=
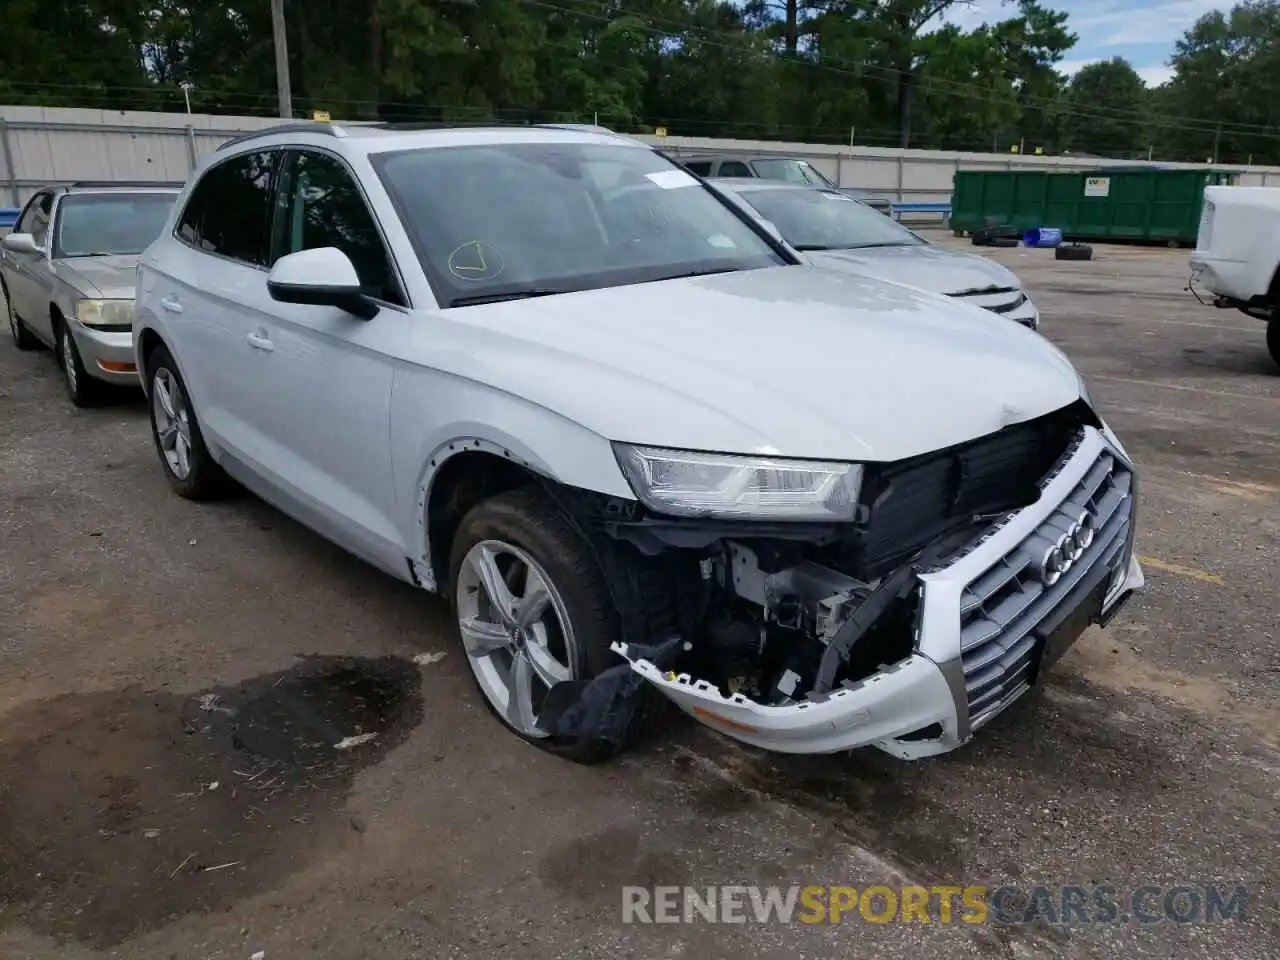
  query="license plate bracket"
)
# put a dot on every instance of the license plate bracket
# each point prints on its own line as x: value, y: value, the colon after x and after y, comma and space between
x: 1051, y: 646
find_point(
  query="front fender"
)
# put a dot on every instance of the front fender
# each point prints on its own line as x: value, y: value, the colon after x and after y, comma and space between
x: 436, y: 416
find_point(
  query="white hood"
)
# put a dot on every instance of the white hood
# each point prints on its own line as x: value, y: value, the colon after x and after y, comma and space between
x: 923, y: 265
x: 792, y: 361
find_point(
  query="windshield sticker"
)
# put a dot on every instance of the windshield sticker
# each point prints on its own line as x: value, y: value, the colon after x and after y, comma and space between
x: 670, y: 179
x: 476, y: 260
x: 721, y: 241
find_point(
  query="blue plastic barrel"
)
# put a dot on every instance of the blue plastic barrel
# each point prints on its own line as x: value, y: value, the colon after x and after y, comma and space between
x: 8, y: 216
x: 1042, y: 237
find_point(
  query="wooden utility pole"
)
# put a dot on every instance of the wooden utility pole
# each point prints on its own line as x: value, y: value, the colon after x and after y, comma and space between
x: 283, y: 90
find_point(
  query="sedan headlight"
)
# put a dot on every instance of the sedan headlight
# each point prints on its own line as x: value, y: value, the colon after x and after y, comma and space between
x: 105, y: 313
x: 686, y: 484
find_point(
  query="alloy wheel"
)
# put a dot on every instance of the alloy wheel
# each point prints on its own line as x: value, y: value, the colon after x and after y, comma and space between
x: 68, y: 351
x: 173, y: 422
x: 515, y: 630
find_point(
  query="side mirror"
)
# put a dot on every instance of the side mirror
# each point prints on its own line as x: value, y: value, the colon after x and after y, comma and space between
x: 324, y: 277
x: 21, y: 243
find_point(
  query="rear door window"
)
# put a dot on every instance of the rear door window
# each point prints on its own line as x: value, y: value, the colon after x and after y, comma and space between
x: 229, y: 212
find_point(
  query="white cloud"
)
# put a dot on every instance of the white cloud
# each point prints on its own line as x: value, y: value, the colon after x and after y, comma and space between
x: 1156, y: 74
x: 1099, y: 24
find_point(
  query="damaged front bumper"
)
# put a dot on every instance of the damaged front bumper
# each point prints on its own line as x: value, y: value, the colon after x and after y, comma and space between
x: 990, y: 621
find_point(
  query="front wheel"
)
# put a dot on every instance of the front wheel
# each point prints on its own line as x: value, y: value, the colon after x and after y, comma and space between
x: 1273, y: 338
x: 533, y: 610
x: 82, y: 389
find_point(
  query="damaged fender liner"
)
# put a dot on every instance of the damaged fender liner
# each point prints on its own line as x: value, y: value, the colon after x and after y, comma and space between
x: 897, y: 701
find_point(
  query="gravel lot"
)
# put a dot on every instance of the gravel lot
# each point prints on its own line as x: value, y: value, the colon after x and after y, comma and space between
x: 135, y: 822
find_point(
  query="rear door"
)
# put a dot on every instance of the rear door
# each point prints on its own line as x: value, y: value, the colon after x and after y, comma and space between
x: 210, y: 292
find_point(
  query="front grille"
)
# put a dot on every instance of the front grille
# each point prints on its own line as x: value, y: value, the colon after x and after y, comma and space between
x: 1001, y: 609
x: 1000, y: 300
x: 913, y: 503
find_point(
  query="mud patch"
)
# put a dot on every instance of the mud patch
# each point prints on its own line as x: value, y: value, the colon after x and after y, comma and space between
x: 1238, y: 360
x: 596, y: 867
x: 1109, y: 661
x: 121, y: 811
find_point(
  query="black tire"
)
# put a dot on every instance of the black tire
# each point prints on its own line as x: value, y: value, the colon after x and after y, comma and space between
x: 529, y: 519
x: 23, y: 338
x: 205, y: 480
x: 1003, y: 242
x: 1073, y: 251
x: 1273, y: 338
x: 82, y: 389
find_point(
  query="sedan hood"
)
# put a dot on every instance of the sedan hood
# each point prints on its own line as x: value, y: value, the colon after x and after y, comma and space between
x: 789, y: 361
x: 110, y: 278
x: 923, y: 265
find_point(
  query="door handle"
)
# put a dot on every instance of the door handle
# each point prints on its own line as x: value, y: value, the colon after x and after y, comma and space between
x: 171, y: 304
x: 260, y: 341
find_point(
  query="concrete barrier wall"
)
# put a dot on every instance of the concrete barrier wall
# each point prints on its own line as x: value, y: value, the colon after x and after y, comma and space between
x: 40, y: 145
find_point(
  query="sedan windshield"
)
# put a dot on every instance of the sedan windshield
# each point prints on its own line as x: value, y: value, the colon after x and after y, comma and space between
x: 827, y: 220
x: 99, y: 225
x: 793, y: 171
x: 509, y: 220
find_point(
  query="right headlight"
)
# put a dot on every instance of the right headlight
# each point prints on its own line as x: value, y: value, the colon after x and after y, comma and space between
x: 687, y: 484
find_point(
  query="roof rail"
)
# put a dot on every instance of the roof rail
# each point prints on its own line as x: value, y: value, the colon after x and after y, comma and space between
x: 583, y: 127
x: 411, y: 125
x: 327, y: 129
x: 80, y: 184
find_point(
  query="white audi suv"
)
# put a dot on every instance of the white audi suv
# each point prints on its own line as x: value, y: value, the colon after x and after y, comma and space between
x: 639, y: 445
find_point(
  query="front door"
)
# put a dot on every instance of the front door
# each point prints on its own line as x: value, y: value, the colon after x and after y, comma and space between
x: 325, y: 409
x: 24, y: 278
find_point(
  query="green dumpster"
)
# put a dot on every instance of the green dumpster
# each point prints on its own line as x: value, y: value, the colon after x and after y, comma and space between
x: 1117, y: 203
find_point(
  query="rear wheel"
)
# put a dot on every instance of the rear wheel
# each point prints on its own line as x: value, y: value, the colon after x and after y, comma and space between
x: 533, y: 609
x: 23, y: 338
x: 188, y: 466
x: 1273, y: 338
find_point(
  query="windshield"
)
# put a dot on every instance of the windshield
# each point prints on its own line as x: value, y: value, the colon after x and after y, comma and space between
x: 826, y: 220
x: 793, y: 171
x: 95, y: 225
x: 495, y: 221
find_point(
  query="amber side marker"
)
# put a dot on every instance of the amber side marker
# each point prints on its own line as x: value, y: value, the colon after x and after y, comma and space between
x: 112, y: 366
x: 723, y: 721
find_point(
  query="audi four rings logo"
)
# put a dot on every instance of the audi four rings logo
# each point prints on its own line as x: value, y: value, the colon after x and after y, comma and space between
x: 1069, y: 547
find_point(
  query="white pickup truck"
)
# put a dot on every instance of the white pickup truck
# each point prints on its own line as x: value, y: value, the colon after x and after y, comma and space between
x: 1237, y: 254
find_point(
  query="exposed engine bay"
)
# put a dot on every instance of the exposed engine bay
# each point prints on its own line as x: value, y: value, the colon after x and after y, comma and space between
x: 782, y: 613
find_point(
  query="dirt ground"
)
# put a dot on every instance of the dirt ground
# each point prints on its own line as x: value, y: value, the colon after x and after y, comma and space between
x: 174, y: 679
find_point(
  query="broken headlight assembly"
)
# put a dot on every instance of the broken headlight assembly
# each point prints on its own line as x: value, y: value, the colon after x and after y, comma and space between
x: 683, y: 483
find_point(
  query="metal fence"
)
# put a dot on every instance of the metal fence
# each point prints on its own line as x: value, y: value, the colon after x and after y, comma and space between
x: 40, y: 145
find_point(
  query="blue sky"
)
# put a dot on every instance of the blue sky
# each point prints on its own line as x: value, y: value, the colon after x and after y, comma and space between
x: 1141, y: 31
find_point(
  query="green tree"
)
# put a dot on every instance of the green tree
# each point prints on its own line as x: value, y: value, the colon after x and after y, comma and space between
x: 1226, y: 87
x: 1107, y: 101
